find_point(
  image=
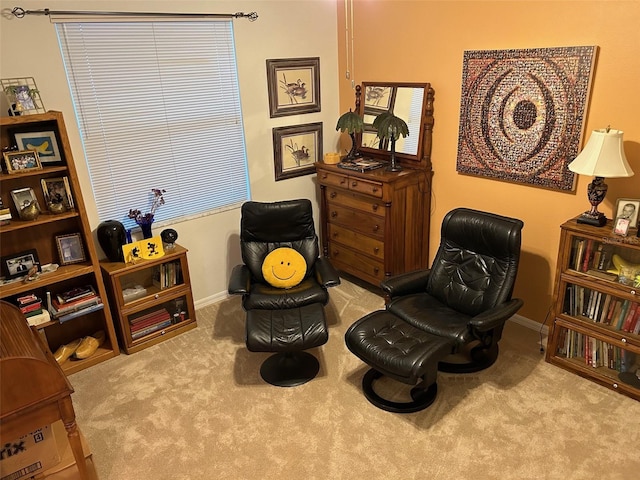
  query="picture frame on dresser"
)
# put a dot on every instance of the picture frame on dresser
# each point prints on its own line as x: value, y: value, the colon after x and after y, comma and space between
x: 296, y: 149
x: 45, y: 142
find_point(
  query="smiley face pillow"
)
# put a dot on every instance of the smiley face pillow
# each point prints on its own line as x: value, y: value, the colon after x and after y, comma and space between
x: 284, y: 268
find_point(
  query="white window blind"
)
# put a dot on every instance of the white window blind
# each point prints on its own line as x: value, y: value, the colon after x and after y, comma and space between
x: 158, y: 106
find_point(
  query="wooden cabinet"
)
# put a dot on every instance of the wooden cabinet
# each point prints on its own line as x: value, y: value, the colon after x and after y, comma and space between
x: 38, y: 237
x: 596, y: 313
x: 152, y: 298
x: 35, y: 391
x: 375, y: 224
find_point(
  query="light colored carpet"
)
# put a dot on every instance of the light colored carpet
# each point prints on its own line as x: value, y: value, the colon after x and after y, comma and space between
x: 195, y: 407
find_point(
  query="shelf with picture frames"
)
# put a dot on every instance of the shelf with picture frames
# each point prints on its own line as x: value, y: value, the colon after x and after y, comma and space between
x: 43, y: 243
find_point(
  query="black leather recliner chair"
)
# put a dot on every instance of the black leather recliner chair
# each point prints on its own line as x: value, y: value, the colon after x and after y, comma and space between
x: 449, y: 317
x: 283, y: 320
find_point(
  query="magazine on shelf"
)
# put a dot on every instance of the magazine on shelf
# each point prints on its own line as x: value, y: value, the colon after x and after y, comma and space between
x: 361, y: 164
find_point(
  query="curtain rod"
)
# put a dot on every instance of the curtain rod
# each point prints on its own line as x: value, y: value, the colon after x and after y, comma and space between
x: 21, y: 12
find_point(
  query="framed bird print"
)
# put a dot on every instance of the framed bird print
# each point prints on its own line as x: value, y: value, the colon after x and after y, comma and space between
x: 45, y: 143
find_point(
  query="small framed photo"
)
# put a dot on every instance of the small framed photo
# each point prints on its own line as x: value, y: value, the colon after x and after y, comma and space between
x: 626, y: 215
x: 22, y: 96
x: 22, y: 161
x: 19, y: 264
x: 57, y: 190
x: 44, y: 142
x: 294, y: 86
x: 23, y: 197
x: 296, y: 149
x: 70, y: 249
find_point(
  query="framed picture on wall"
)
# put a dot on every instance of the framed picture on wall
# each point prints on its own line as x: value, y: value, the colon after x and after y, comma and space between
x: 295, y: 149
x: 294, y: 86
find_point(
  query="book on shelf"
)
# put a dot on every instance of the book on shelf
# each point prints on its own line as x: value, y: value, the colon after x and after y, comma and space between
x: 602, y: 274
x: 80, y: 313
x: 58, y: 309
x: 146, y: 316
x: 43, y: 317
x: 361, y: 164
x: 627, y: 325
x: 75, y: 293
x: 151, y: 329
x: 151, y: 321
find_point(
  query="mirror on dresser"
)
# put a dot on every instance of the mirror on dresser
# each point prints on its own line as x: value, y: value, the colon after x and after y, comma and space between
x: 412, y: 102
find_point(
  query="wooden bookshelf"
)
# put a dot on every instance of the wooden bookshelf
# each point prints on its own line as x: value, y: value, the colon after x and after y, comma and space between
x: 152, y: 298
x: 596, y: 327
x: 39, y: 235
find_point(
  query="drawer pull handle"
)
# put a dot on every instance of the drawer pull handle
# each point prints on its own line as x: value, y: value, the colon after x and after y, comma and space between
x: 342, y: 181
x: 354, y: 184
x: 334, y: 214
x: 333, y: 194
x: 375, y: 189
x: 376, y: 270
x: 335, y: 234
x: 376, y: 228
x: 376, y: 250
x: 374, y: 206
x: 156, y: 296
x: 335, y: 253
x: 324, y: 176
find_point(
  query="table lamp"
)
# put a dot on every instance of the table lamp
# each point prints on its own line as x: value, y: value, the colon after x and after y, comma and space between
x: 602, y: 157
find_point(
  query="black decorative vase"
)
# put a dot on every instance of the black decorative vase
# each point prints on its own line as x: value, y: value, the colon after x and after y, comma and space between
x: 111, y: 237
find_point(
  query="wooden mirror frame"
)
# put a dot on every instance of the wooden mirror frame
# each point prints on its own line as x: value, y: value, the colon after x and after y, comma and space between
x: 422, y: 158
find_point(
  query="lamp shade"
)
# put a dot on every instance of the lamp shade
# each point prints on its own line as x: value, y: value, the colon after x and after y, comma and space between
x: 603, y: 156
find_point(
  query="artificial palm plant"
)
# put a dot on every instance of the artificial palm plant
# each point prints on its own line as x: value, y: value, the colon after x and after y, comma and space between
x: 351, y: 123
x: 389, y: 126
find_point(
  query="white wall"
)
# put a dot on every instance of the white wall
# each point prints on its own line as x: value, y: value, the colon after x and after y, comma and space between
x: 284, y: 29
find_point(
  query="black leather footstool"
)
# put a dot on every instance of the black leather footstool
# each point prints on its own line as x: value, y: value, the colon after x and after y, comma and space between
x: 287, y: 332
x: 396, y: 349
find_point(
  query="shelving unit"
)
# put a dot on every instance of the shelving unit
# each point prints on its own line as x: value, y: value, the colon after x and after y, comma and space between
x: 39, y: 234
x: 152, y: 298
x: 596, y: 315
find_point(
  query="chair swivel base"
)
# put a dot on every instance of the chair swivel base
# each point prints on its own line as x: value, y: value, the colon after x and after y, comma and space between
x: 478, y: 358
x: 289, y: 369
x: 422, y: 397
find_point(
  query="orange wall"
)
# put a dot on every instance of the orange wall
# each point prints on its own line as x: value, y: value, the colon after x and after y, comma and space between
x: 418, y: 41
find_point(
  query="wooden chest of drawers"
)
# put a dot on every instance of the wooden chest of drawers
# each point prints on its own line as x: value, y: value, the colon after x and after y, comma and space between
x: 374, y: 224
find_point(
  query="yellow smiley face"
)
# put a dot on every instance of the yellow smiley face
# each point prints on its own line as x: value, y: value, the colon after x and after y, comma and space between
x: 284, y: 268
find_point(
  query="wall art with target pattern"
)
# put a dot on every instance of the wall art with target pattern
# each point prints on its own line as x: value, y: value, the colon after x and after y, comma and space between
x: 522, y: 113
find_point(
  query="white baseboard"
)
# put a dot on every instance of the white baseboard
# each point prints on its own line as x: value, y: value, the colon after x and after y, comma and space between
x: 533, y: 325
x: 204, y: 302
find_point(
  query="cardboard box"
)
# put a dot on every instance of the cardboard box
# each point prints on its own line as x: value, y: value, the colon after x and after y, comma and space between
x: 29, y: 455
x: 66, y: 469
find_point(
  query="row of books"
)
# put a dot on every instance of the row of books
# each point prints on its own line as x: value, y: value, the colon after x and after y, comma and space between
x: 149, y: 323
x: 167, y: 274
x: 590, y: 255
x: 594, y: 352
x: 600, y: 307
x: 74, y: 303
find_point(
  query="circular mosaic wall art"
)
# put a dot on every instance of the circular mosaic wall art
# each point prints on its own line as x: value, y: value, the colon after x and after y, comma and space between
x: 521, y: 113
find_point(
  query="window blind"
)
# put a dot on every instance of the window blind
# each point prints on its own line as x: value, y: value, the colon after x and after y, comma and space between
x: 158, y: 106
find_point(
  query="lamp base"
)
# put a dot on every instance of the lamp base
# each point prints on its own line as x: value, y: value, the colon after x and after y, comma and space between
x: 598, y: 220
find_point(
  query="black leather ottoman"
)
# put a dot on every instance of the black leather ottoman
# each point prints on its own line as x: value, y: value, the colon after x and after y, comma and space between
x: 398, y: 350
x: 287, y: 332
